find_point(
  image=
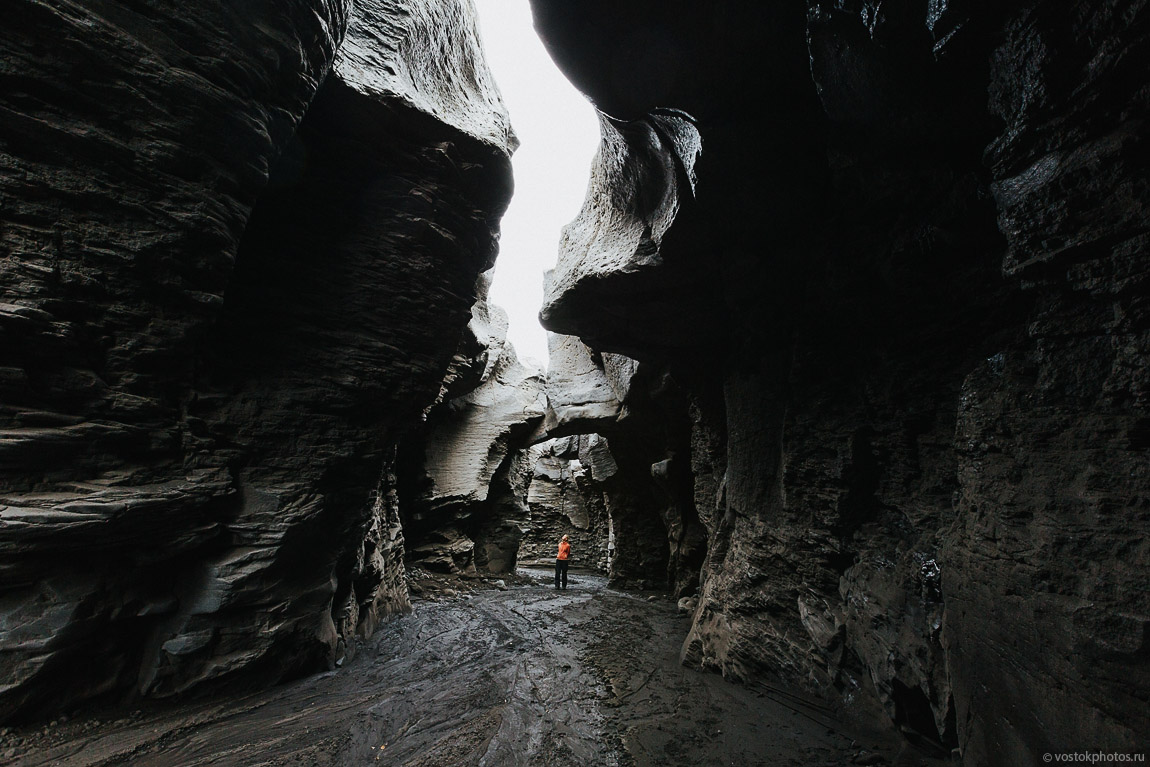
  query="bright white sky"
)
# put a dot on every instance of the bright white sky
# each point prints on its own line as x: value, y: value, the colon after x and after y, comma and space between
x: 558, y: 135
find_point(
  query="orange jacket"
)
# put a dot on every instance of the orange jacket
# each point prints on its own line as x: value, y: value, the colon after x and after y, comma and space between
x: 564, y: 550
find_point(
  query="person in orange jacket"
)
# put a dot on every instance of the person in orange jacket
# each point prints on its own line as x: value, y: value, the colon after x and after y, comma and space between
x: 561, y: 560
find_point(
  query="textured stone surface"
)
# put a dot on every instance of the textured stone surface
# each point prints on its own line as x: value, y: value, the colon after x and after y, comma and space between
x: 637, y: 540
x: 217, y: 313
x: 642, y: 175
x: 481, y: 491
x: 500, y: 532
x: 632, y: 419
x: 883, y: 266
x: 1047, y: 559
x: 580, y: 398
x: 458, y: 467
x: 561, y: 502
x: 915, y: 350
x: 469, y: 437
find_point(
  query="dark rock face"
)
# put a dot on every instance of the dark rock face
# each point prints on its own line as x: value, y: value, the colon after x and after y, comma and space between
x: 1051, y: 434
x: 899, y: 270
x: 240, y: 248
x: 499, y: 536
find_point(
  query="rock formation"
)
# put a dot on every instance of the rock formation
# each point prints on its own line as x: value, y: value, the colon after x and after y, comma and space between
x: 489, y: 483
x: 499, y: 534
x: 634, y: 427
x: 241, y: 244
x: 894, y: 256
x: 852, y: 352
x: 458, y: 468
x: 481, y: 485
x: 561, y: 502
x: 581, y: 399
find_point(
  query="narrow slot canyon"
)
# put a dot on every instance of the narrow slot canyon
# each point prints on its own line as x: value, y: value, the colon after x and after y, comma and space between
x: 845, y: 411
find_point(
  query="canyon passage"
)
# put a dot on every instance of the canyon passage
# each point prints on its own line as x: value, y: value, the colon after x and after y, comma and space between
x: 847, y: 369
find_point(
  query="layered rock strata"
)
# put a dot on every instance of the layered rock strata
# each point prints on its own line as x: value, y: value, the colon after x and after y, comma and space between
x: 896, y: 256
x: 240, y: 244
x: 461, y: 468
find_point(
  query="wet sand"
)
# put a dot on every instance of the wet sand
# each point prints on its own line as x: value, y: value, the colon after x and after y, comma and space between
x: 526, y: 676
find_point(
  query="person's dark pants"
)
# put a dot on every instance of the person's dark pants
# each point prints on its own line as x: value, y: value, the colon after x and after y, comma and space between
x: 560, y: 572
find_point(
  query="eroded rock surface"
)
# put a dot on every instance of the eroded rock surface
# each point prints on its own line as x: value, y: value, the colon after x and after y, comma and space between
x: 462, y: 468
x: 899, y: 275
x: 561, y: 501
x: 632, y: 452
x: 580, y: 396
x: 241, y: 244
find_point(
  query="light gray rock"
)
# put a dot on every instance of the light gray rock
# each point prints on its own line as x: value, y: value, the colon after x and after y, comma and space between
x: 580, y: 397
x: 429, y: 57
x: 464, y: 469
x: 471, y: 436
x: 595, y: 454
x: 562, y: 501
x: 642, y: 175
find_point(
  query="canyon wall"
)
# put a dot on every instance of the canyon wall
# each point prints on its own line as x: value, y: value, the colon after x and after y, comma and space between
x: 463, y: 474
x: 511, y: 460
x: 854, y: 344
x: 633, y: 447
x: 240, y: 248
x: 895, y: 256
